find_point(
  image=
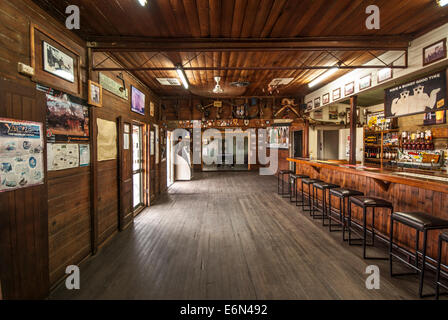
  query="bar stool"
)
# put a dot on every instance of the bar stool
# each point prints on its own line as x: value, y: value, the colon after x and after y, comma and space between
x: 293, y: 183
x: 442, y: 238
x: 308, y: 182
x: 324, y: 187
x: 421, y: 222
x: 282, y: 173
x: 341, y: 217
x: 365, y: 203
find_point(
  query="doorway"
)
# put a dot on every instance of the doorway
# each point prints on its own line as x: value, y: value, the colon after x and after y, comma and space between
x: 137, y: 166
x: 298, y: 144
x: 230, y: 154
x: 328, y: 142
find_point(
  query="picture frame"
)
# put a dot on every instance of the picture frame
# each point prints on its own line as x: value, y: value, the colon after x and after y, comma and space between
x: 326, y: 99
x: 95, y: 94
x: 137, y: 101
x: 336, y: 94
x: 349, y: 88
x: 365, y: 82
x: 317, y: 102
x: 57, y: 62
x: 384, y: 75
x: 434, y: 52
x: 44, y: 73
x: 309, y: 106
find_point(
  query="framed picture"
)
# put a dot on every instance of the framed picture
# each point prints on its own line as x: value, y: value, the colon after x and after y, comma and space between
x: 349, y: 88
x: 95, y: 94
x: 309, y: 106
x: 326, y: 99
x: 151, y: 109
x: 384, y: 74
x: 337, y: 94
x: 58, y: 63
x: 278, y: 137
x: 434, y: 52
x: 365, y: 82
x: 137, y: 101
x: 317, y: 102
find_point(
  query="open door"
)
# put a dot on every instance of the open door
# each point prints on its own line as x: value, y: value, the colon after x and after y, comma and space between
x: 126, y: 216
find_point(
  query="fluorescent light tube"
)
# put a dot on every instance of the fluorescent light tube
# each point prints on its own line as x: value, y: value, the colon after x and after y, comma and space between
x: 143, y: 2
x: 442, y: 3
x: 183, y: 77
x: 326, y: 75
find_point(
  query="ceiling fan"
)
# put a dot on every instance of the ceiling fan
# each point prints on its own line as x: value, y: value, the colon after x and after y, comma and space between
x: 218, y: 88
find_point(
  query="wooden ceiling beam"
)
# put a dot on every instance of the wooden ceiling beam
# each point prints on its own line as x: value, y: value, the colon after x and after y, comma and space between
x: 340, y: 43
x: 274, y: 68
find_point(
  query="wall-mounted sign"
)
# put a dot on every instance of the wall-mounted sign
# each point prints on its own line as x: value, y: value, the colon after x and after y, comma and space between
x: 113, y: 86
x: 420, y: 96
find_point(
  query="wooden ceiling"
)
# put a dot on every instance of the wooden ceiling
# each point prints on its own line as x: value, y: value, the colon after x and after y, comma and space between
x: 244, y: 19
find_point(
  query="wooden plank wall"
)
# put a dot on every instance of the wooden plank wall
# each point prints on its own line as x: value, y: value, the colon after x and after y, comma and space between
x: 67, y: 194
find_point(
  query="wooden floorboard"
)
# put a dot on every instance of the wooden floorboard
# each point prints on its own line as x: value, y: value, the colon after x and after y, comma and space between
x: 230, y: 236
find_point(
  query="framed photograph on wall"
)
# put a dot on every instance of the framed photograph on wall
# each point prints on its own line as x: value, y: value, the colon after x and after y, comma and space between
x: 365, y: 82
x: 434, y: 52
x: 309, y: 106
x: 58, y: 63
x: 95, y: 94
x: 384, y: 74
x: 137, y: 101
x: 349, y: 88
x: 337, y: 94
x: 326, y: 99
x: 317, y: 102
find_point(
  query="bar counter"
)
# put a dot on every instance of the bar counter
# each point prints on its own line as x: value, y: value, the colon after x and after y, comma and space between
x: 409, y: 190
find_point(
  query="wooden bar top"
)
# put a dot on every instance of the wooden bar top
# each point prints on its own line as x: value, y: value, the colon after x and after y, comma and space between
x: 430, y: 180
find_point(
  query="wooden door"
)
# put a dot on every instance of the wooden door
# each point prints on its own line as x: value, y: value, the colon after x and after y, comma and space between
x: 126, y: 215
x: 23, y: 213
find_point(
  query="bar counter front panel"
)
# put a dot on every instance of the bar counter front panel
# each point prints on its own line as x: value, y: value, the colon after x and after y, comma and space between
x: 407, y: 190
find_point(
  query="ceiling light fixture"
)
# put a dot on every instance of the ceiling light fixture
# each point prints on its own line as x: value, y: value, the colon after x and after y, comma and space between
x: 442, y: 3
x: 143, y: 2
x: 182, y: 76
x: 324, y: 76
x: 218, y: 88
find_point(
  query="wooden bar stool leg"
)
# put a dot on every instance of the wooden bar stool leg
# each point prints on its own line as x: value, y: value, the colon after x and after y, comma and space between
x: 422, y: 274
x: 391, y: 244
x: 364, y: 243
x: 439, y: 267
x: 417, y: 244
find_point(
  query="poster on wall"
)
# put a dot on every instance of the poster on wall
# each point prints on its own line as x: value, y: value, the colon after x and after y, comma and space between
x: 420, y: 96
x: 21, y: 154
x: 137, y: 101
x: 278, y: 137
x: 156, y: 128
x: 84, y: 155
x: 62, y: 156
x: 152, y: 141
x: 107, y: 140
x: 67, y: 120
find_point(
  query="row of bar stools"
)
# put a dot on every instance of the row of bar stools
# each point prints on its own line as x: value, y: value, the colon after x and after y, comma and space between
x: 443, y: 238
x: 281, y: 175
x: 325, y: 188
x: 308, y: 182
x: 293, y: 184
x: 365, y: 203
x: 340, y: 217
x: 421, y: 222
